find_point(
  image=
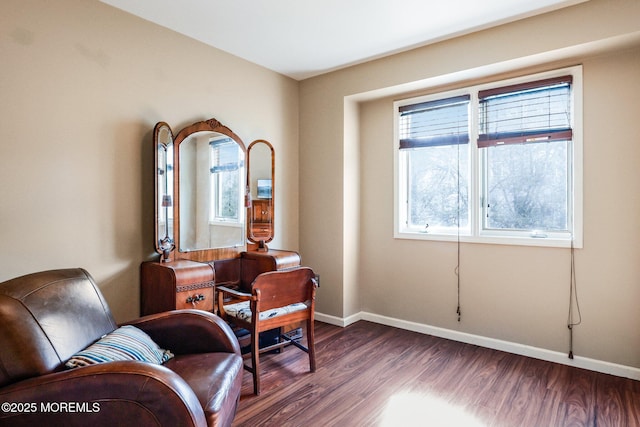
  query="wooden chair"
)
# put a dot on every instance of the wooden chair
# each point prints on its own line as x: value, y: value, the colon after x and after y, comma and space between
x: 277, y: 299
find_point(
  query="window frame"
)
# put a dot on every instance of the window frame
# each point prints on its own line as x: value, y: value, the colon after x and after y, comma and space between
x: 215, y: 185
x: 477, y: 164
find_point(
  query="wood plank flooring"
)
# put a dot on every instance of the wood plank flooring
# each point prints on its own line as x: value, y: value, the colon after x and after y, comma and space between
x: 374, y: 375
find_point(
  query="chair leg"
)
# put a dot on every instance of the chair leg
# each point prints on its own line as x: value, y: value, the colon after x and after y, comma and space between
x: 255, y: 361
x: 311, y: 345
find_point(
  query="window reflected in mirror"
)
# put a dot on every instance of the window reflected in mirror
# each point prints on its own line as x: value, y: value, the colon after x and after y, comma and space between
x: 226, y: 162
x: 211, y: 192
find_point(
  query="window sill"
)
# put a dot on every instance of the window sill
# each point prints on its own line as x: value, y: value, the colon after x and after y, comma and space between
x: 553, y: 242
x: 226, y: 224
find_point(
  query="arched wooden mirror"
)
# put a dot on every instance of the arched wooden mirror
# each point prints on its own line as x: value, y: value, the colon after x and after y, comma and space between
x: 261, y: 180
x: 208, y: 195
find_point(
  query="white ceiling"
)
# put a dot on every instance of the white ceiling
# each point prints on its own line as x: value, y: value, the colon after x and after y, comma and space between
x: 303, y: 38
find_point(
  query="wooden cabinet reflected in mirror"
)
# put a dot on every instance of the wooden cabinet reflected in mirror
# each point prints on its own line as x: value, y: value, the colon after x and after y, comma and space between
x: 261, y: 182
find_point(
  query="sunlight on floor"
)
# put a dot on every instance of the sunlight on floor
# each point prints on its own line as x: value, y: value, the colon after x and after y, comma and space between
x: 419, y: 409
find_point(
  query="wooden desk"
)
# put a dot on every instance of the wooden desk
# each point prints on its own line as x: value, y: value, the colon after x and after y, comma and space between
x: 180, y: 284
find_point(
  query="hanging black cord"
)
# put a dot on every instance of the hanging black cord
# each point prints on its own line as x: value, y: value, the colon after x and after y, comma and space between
x: 457, y: 269
x: 573, y: 297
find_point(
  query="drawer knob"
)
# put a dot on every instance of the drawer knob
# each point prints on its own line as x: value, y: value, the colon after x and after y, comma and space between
x: 195, y: 299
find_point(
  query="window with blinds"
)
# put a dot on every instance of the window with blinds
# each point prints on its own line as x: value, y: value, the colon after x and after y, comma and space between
x: 538, y: 111
x: 493, y: 163
x: 434, y: 139
x: 226, y: 165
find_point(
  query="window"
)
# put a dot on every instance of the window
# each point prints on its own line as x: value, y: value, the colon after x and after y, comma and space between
x: 497, y: 163
x: 226, y: 167
x: 434, y: 137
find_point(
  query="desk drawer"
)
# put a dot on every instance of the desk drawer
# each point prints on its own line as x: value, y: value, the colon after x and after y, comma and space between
x: 176, y: 285
x: 198, y: 296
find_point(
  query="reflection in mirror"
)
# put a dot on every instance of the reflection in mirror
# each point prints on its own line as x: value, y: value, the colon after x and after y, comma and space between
x: 261, y: 186
x: 211, y: 179
x: 163, y: 141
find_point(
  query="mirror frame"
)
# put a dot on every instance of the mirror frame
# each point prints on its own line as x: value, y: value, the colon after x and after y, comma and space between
x: 163, y: 245
x: 261, y: 242
x: 210, y: 125
x: 201, y: 255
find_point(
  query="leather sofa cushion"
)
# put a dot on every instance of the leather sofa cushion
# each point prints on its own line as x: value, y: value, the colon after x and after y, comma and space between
x: 212, y: 377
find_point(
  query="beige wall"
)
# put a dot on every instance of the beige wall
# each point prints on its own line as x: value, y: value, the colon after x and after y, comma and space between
x: 515, y: 294
x: 81, y: 86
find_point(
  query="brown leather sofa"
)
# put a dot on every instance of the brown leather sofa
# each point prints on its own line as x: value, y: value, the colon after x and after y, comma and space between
x: 47, y: 317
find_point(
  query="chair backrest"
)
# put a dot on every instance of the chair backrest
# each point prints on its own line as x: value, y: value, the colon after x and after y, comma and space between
x: 282, y: 288
x: 47, y: 317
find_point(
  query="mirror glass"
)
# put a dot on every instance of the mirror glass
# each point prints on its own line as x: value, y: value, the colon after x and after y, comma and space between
x: 261, y: 187
x: 211, y: 187
x: 163, y: 140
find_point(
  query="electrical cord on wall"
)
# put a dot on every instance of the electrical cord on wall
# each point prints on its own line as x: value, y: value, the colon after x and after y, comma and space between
x: 573, y: 297
x: 457, y: 269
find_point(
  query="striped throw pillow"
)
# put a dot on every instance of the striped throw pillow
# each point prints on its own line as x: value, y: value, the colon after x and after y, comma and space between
x: 125, y: 343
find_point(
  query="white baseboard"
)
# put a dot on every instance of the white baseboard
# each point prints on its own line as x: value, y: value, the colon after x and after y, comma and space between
x: 509, y: 347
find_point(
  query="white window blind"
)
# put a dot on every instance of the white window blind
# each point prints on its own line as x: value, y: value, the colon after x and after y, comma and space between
x: 435, y: 123
x: 225, y: 155
x: 538, y: 111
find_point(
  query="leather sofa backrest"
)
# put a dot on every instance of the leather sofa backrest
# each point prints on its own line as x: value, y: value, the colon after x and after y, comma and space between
x: 47, y: 317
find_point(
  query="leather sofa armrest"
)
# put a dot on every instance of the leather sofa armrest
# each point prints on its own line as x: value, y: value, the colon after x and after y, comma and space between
x: 189, y: 331
x: 100, y: 395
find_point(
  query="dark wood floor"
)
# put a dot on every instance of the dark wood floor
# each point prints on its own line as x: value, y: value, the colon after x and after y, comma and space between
x: 375, y: 375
